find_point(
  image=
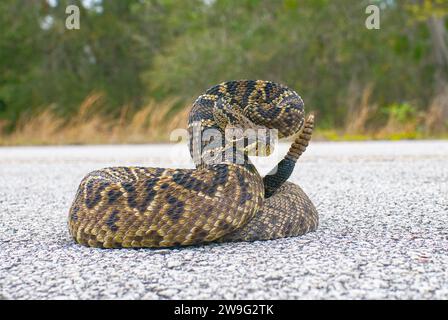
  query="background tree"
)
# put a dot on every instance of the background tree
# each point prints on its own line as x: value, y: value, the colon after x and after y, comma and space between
x: 133, y: 52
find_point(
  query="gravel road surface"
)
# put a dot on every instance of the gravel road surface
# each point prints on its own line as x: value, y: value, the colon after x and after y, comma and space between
x: 383, y: 230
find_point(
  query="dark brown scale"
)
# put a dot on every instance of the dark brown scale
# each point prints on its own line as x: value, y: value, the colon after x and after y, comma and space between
x: 74, y: 214
x: 113, y: 195
x: 112, y: 219
x: 244, y: 196
x: 176, y: 209
x: 249, y: 90
x: 93, y: 193
x: 132, y: 194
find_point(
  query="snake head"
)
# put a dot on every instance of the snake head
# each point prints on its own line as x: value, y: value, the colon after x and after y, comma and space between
x: 291, y: 120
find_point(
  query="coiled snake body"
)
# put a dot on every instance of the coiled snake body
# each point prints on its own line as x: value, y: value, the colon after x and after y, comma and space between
x: 220, y: 200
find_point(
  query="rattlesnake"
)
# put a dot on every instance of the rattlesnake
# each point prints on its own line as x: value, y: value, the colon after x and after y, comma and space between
x: 223, y: 200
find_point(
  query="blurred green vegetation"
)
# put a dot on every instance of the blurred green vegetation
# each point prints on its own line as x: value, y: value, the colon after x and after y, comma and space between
x: 135, y: 52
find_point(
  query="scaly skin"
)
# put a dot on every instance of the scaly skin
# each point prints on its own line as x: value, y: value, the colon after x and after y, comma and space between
x: 221, y: 201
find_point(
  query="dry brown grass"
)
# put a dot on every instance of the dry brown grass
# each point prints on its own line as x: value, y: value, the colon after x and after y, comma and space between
x: 395, y: 130
x: 360, y: 110
x: 155, y: 121
x: 152, y: 123
x: 436, y: 120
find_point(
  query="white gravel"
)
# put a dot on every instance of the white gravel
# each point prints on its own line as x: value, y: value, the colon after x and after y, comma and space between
x: 383, y: 230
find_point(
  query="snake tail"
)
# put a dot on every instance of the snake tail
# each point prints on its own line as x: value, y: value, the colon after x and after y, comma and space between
x: 278, y: 176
